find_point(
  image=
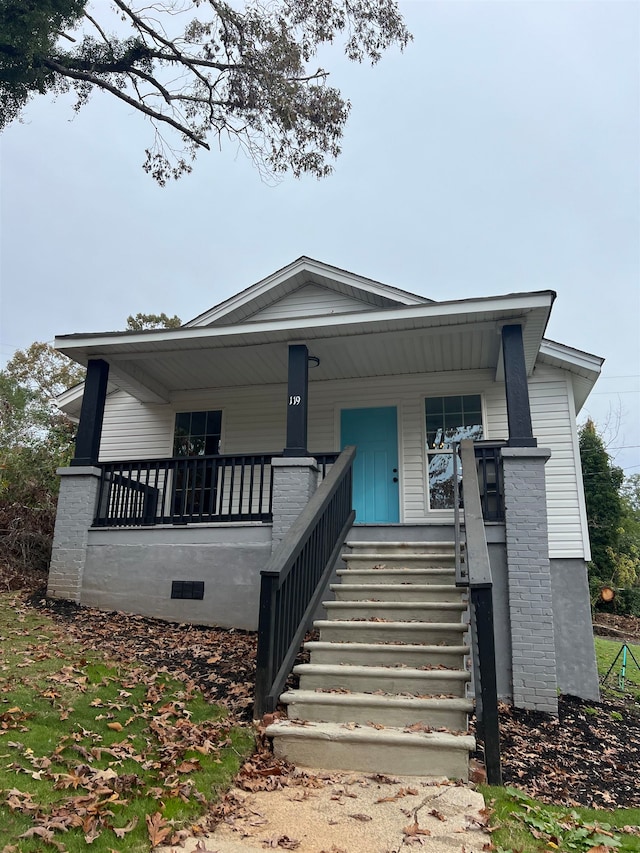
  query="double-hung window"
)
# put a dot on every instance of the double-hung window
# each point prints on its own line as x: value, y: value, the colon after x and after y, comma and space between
x: 448, y: 421
x: 195, y: 484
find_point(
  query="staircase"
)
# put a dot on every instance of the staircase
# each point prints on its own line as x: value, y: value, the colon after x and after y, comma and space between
x: 385, y: 689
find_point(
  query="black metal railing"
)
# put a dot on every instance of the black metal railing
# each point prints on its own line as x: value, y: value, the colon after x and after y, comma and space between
x: 295, y: 578
x: 479, y: 581
x: 490, y: 479
x: 184, y: 490
x: 324, y: 462
x: 190, y: 489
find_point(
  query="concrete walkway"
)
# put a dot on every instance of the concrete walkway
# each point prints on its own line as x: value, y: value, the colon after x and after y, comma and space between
x: 350, y: 813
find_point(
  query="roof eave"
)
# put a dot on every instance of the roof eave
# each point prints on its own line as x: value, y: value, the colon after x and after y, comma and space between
x: 74, y: 343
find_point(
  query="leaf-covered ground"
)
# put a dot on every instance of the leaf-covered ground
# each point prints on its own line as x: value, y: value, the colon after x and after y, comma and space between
x: 99, y: 749
x: 221, y: 662
x: 589, y: 756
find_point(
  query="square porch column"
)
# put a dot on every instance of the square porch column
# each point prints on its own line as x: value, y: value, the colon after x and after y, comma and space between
x: 534, y: 674
x: 91, y: 413
x: 297, y: 401
x: 516, y: 388
x: 77, y: 503
x: 295, y: 479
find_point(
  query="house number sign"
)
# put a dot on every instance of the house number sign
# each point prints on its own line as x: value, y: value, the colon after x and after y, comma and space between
x: 295, y: 400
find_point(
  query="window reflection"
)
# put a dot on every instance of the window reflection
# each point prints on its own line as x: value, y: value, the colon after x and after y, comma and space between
x: 449, y: 420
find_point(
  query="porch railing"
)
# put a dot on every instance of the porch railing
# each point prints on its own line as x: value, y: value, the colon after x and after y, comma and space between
x: 190, y: 489
x: 183, y: 490
x: 478, y: 578
x: 295, y: 578
x: 490, y: 480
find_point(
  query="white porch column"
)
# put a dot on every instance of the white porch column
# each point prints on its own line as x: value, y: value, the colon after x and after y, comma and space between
x: 530, y: 604
x: 77, y: 502
x: 295, y: 479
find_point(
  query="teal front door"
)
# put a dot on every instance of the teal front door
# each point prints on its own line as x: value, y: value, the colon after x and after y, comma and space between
x: 375, y: 471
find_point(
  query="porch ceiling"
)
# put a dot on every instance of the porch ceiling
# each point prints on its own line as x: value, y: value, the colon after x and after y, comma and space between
x: 416, y: 339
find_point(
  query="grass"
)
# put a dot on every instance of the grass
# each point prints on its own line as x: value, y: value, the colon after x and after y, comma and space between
x: 93, y: 752
x: 606, y: 651
x: 528, y: 826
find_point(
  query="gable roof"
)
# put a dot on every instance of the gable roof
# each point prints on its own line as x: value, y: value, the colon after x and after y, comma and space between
x: 334, y: 290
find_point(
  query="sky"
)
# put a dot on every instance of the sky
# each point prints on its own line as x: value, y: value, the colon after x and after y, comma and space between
x: 499, y: 153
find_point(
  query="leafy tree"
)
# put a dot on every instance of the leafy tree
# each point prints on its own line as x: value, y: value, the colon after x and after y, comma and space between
x: 200, y: 69
x: 629, y: 544
x: 35, y: 438
x: 602, y: 482
x: 152, y: 321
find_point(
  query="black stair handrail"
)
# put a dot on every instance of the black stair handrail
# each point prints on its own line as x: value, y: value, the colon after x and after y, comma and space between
x: 478, y: 579
x: 296, y: 576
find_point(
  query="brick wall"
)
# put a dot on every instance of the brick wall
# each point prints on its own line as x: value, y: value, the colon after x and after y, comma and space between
x: 294, y: 482
x: 76, y: 510
x: 529, y: 577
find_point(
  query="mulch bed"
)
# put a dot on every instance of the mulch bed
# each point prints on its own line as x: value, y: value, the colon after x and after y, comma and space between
x: 588, y: 756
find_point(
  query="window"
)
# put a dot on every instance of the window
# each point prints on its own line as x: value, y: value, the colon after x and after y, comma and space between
x: 195, y: 484
x: 449, y: 420
x: 197, y: 433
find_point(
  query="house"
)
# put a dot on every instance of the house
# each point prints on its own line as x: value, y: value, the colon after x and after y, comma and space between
x: 197, y: 448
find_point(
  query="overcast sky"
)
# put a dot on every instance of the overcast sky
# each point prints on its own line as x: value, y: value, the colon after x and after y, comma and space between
x: 499, y: 153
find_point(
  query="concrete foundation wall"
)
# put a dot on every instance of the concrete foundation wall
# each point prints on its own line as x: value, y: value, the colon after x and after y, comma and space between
x: 575, y: 654
x: 132, y: 570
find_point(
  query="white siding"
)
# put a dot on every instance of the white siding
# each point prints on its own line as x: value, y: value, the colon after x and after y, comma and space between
x: 254, y: 420
x: 554, y: 426
x: 311, y: 301
x: 135, y: 430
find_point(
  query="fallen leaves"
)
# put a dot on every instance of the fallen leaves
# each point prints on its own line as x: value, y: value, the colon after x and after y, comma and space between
x: 114, y: 737
x: 221, y: 662
x: 403, y: 792
x: 414, y: 833
x: 158, y: 828
x: 281, y: 841
x: 588, y: 756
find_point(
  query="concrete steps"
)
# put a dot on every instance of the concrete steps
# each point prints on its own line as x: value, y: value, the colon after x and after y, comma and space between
x: 392, y: 611
x: 386, y: 710
x: 385, y: 689
x: 405, y: 576
x: 389, y: 654
x: 351, y: 590
x: 388, y: 679
x: 365, y: 631
x: 343, y: 747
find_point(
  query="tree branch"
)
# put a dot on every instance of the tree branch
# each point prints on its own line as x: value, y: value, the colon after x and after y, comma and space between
x: 99, y: 29
x: 87, y: 77
x: 141, y: 24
